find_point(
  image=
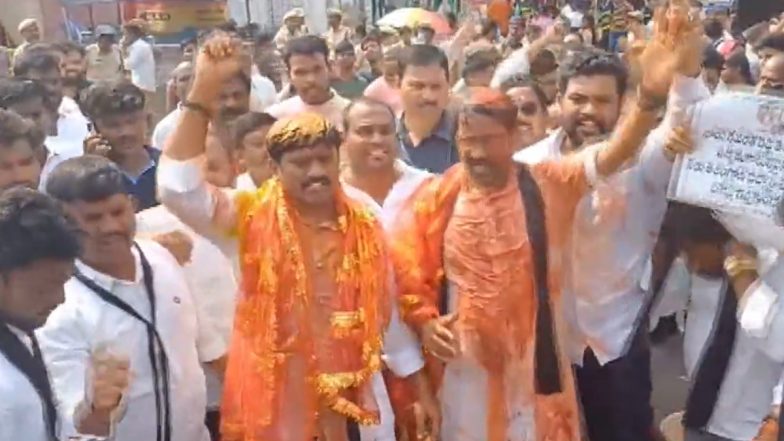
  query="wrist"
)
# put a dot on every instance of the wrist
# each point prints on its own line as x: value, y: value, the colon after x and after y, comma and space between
x: 201, y: 94
x: 649, y: 101
x: 91, y: 421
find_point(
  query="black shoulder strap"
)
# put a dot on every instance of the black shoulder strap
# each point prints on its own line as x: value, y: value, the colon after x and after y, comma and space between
x: 33, y: 368
x: 547, y: 369
x: 713, y: 364
x: 159, y: 360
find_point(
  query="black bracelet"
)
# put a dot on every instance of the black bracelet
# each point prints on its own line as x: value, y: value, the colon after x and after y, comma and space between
x: 196, y: 107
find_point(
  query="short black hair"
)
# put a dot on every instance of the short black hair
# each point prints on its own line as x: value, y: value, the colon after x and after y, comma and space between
x: 191, y: 40
x: 308, y: 45
x: 368, y: 102
x: 372, y: 36
x: 248, y: 123
x: 88, y: 178
x: 696, y: 225
x: 773, y: 41
x: 108, y: 98
x: 479, y: 61
x: 712, y: 59
x: 229, y: 26
x: 525, y: 81
x: 264, y: 37
x: 344, y: 46
x: 423, y: 55
x: 14, y: 91
x: 713, y: 28
x: 591, y: 62
x: 68, y: 46
x: 39, y: 59
x: 695, y: 4
x: 544, y: 63
x: 33, y: 226
x: 14, y: 127
x: 738, y: 60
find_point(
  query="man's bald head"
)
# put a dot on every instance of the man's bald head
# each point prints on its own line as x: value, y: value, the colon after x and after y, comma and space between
x: 771, y: 80
x: 182, y: 75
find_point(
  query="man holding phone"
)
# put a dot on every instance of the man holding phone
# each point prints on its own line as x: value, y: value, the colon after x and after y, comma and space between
x: 119, y: 132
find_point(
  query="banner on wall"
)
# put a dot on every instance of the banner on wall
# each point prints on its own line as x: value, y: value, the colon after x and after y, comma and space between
x: 177, y: 17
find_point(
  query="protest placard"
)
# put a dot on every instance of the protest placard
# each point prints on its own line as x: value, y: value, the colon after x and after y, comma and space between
x: 738, y: 164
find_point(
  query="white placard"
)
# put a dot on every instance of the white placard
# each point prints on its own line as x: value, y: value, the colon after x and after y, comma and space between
x: 738, y: 164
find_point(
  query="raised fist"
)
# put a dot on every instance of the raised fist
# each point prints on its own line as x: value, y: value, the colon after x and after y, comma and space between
x: 110, y: 378
x: 220, y: 58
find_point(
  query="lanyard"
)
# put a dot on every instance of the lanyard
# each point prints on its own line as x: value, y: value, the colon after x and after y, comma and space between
x: 157, y: 353
x: 33, y: 368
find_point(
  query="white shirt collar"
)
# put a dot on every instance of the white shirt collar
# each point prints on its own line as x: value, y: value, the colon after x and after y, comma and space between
x: 106, y: 281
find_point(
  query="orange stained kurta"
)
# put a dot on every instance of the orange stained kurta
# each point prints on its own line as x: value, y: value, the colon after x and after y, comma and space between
x: 479, y: 240
x: 309, y: 323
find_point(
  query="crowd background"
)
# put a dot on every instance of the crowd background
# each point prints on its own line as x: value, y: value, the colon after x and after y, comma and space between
x: 124, y: 99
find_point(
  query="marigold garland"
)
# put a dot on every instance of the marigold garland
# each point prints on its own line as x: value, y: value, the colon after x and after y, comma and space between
x: 275, y: 283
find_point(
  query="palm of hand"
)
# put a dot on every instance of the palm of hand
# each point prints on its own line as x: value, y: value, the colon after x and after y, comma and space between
x: 674, y: 47
x: 658, y: 64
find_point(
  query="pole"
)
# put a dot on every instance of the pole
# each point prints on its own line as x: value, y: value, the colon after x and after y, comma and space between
x: 92, y: 16
x: 247, y: 12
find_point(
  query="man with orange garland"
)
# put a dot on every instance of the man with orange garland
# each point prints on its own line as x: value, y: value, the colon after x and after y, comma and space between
x: 316, y: 311
x: 478, y: 259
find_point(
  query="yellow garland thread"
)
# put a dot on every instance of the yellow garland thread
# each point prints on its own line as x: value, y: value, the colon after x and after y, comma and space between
x: 256, y: 309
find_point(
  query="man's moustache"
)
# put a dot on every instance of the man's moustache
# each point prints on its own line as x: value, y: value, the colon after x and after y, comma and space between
x: 309, y: 182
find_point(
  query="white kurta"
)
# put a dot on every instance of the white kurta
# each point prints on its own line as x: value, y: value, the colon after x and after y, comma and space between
x: 211, y: 281
x: 756, y: 365
x: 21, y: 409
x: 85, y: 323
x: 183, y: 190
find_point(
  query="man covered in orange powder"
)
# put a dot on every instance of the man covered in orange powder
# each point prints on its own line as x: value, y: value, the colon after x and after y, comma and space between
x: 478, y: 260
x: 316, y: 310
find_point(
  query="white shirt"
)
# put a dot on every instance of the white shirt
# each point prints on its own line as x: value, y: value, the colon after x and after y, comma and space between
x: 757, y: 361
x: 516, y: 63
x: 613, y: 235
x: 165, y: 127
x: 72, y: 129
x: 212, y: 284
x: 410, y: 179
x: 21, y: 409
x: 140, y: 61
x: 183, y: 190
x: 332, y: 110
x: 262, y: 91
x: 245, y: 182
x: 575, y: 17
x: 71, y: 123
x: 85, y: 323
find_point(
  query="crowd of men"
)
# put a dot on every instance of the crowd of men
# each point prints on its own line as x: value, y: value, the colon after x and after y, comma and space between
x: 379, y: 233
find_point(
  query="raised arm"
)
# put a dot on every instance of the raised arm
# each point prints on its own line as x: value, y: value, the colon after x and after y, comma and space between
x: 208, y: 210
x: 675, y: 45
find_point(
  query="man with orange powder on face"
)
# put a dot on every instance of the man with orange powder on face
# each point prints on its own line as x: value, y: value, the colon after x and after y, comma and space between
x: 478, y: 260
x: 316, y: 310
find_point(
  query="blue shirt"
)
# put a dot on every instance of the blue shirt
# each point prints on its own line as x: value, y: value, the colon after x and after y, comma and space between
x: 437, y: 152
x: 143, y: 187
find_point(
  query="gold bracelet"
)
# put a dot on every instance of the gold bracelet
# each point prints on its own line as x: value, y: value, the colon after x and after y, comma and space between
x: 735, y: 266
